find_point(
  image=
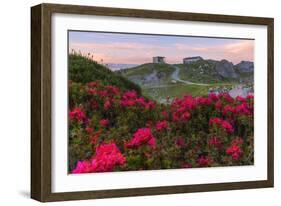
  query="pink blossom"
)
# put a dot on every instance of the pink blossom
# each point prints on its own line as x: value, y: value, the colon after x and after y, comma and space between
x: 226, y: 97
x: 140, y: 137
x: 130, y: 95
x: 213, y: 97
x: 112, y: 90
x: 228, y: 110
x: 240, y: 99
x: 234, y: 149
x: 160, y: 125
x: 250, y: 96
x: 104, y: 122
x: 221, y: 123
x: 185, y: 116
x: 204, y: 161
x: 89, y: 130
x: 215, y: 142
x: 82, y: 167
x: 218, y: 105
x: 215, y: 120
x: 106, y: 158
x: 203, y: 101
x: 92, y: 84
x: 243, y: 109
x: 77, y: 114
x: 227, y: 126
x: 180, y: 142
x: 107, y: 105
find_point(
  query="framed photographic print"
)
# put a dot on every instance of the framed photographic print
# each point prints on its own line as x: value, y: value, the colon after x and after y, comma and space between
x: 130, y: 102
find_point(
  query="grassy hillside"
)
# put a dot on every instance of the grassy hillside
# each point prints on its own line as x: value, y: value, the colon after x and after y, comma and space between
x: 148, y: 68
x: 202, y: 71
x: 149, y: 73
x: 175, y: 90
x: 82, y: 69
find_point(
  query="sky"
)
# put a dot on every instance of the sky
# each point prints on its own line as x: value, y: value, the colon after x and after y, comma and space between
x: 125, y: 48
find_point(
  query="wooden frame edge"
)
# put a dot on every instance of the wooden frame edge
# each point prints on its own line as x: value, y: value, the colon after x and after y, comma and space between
x: 36, y: 58
x: 41, y: 101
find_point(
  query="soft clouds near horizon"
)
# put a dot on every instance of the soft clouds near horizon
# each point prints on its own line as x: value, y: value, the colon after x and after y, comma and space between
x: 138, y: 48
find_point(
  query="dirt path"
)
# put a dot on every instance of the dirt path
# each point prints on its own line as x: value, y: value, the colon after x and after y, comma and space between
x: 175, y: 76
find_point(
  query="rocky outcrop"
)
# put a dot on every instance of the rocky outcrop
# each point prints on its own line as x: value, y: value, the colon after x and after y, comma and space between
x: 245, y: 66
x: 225, y: 69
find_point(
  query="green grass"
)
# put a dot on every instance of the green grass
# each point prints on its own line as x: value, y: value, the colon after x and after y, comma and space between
x: 176, y: 90
x: 83, y: 70
x: 180, y: 89
x: 202, y: 71
x: 148, y: 68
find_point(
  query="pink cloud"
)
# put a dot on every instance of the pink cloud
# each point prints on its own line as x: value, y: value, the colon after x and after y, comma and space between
x: 138, y: 53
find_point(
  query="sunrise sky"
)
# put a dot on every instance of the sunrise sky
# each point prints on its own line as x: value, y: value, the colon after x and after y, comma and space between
x: 138, y: 49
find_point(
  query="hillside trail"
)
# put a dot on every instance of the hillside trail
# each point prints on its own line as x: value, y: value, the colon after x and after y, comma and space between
x: 175, y: 76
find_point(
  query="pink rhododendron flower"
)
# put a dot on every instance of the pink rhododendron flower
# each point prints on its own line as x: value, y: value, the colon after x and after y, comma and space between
x: 152, y: 142
x: 237, y: 141
x: 243, y: 109
x: 103, y: 93
x: 221, y: 123
x: 226, y: 97
x: 218, y: 105
x: 93, y: 91
x: 240, y: 99
x: 142, y: 136
x: 203, y: 101
x: 128, y: 102
x: 228, y: 110
x: 92, y: 84
x: 250, y: 96
x: 106, y: 158
x: 165, y: 114
x: 112, y: 90
x: 215, y: 142
x: 213, y: 97
x: 89, y: 130
x: 160, y: 125
x: 215, y: 120
x: 77, y: 114
x: 107, y: 105
x: 82, y: 167
x: 95, y: 137
x: 180, y: 142
x: 130, y: 95
x: 185, y: 116
x: 227, y: 126
x: 234, y: 150
x: 104, y: 122
x: 204, y: 161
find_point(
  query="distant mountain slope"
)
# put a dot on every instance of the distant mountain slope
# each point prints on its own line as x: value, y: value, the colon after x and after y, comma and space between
x: 202, y: 71
x: 82, y: 69
x: 149, y: 74
x: 211, y: 71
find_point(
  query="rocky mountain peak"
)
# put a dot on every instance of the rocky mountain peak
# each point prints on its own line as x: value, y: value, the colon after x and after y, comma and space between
x: 245, y: 66
x: 225, y: 69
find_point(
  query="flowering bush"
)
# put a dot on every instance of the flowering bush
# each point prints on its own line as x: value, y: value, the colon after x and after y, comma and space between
x: 112, y: 129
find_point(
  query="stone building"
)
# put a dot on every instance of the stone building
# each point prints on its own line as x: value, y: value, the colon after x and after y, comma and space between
x: 189, y: 60
x: 158, y: 60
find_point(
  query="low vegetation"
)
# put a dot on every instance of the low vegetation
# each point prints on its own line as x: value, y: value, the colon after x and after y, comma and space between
x: 112, y: 127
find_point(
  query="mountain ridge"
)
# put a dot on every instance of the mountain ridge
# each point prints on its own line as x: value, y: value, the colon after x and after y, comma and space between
x: 201, y: 71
